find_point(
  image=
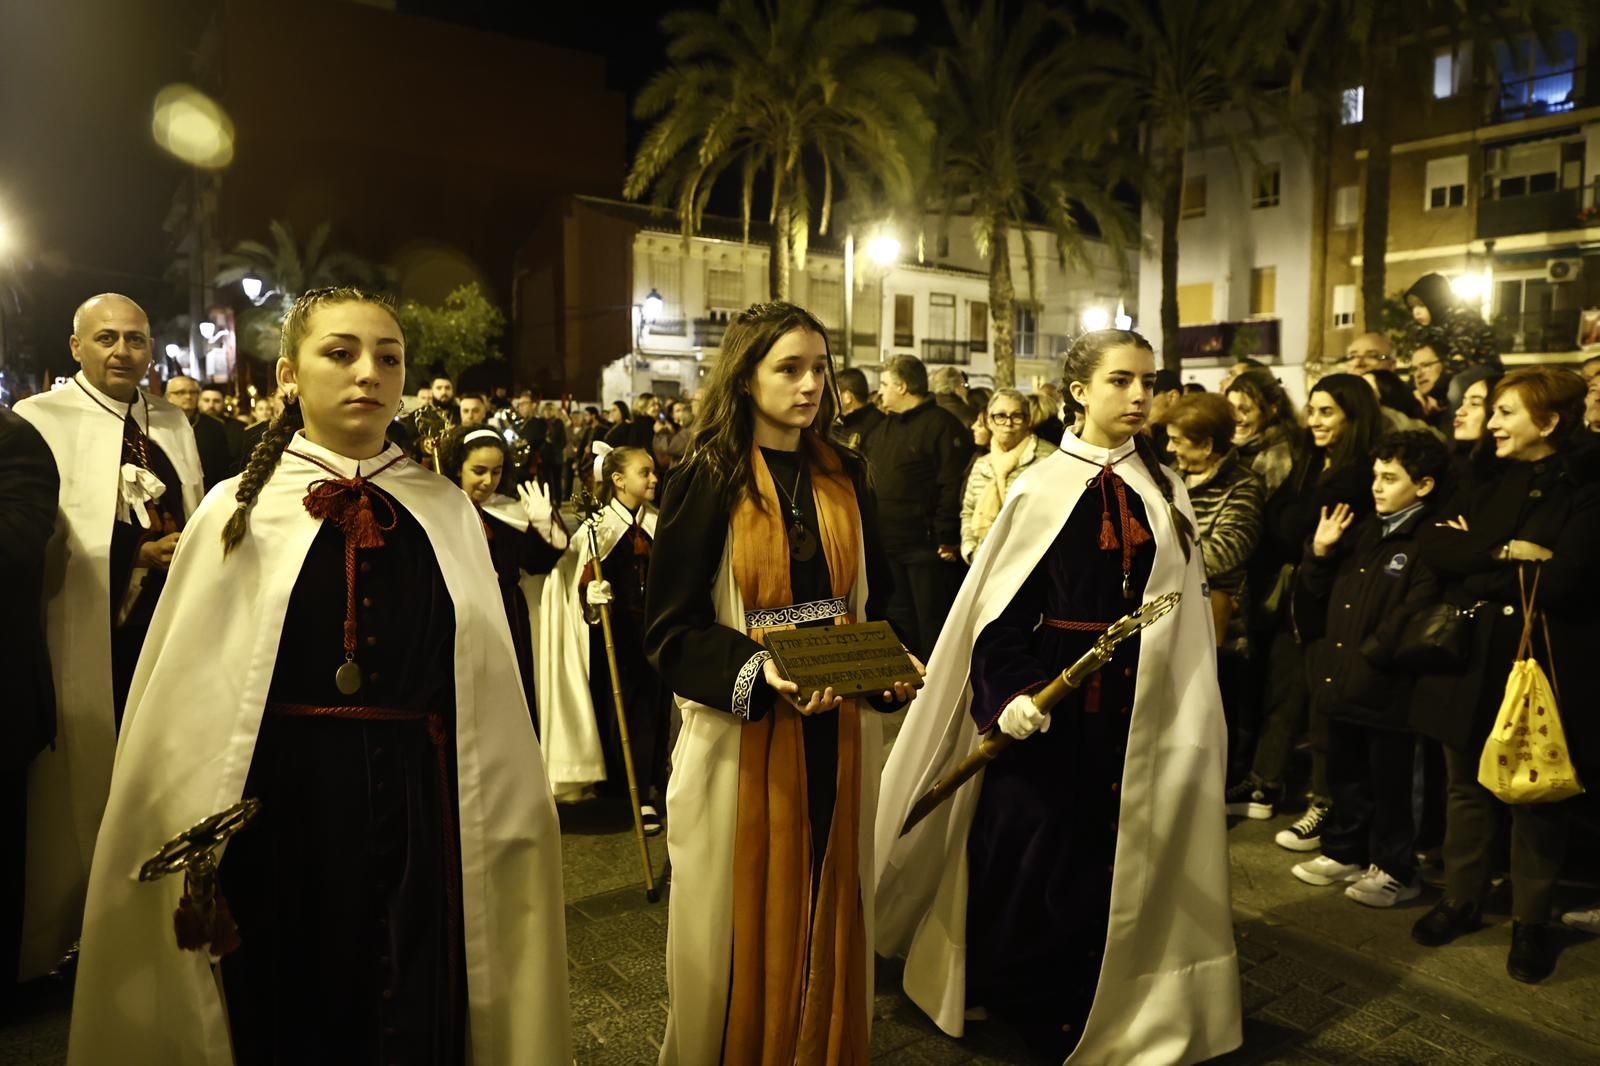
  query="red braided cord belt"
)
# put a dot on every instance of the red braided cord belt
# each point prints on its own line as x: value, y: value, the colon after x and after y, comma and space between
x: 439, y: 740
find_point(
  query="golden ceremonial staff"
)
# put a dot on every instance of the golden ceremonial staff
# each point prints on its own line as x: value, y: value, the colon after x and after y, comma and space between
x: 1073, y: 676
x: 586, y: 506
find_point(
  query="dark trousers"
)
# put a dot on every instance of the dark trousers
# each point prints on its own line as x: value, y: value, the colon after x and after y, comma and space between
x: 924, y: 588
x: 1370, y: 779
x: 1285, y: 709
x: 13, y: 852
x: 1238, y: 679
x: 1473, y: 818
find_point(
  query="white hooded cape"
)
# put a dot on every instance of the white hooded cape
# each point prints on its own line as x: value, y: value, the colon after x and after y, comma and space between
x: 1168, y: 992
x: 67, y: 784
x: 568, y: 731
x: 188, y: 738
x: 703, y: 804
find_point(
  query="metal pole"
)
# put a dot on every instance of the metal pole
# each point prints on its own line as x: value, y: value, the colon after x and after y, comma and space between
x: 849, y: 295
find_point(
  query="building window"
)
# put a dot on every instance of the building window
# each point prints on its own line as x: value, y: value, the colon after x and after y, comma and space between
x: 905, y: 306
x: 943, y: 246
x: 1267, y: 191
x: 1194, y: 304
x: 1446, y: 183
x: 825, y: 299
x: 941, y: 316
x: 1264, y: 291
x: 1194, y: 197
x: 1347, y: 205
x: 1351, y: 104
x: 1533, y: 81
x: 1523, y: 170
x: 666, y: 278
x: 1025, y: 336
x: 978, y: 325
x: 1451, y: 65
x: 725, y: 290
x: 1344, y: 306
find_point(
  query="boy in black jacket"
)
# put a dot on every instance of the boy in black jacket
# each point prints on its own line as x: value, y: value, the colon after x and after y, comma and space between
x: 1354, y: 591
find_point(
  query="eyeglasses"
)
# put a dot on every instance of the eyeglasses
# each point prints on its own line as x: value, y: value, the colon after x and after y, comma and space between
x: 1003, y: 418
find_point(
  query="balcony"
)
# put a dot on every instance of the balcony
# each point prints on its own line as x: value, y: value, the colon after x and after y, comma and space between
x: 666, y: 327
x: 1548, y: 93
x: 956, y: 353
x: 1256, y: 338
x: 1534, y: 213
x: 707, y: 332
x: 1538, y: 331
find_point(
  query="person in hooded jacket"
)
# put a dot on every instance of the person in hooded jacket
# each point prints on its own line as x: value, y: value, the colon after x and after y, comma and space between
x: 1457, y: 334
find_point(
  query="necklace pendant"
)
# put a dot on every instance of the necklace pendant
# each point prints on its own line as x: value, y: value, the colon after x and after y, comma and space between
x: 348, y: 678
x: 1127, y: 589
x: 802, y: 545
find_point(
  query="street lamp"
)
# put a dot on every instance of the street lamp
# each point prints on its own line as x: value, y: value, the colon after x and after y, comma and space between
x: 252, y: 287
x: 1094, y: 318
x: 208, y: 329
x: 652, y: 307
x: 884, y: 249
x: 1123, y: 320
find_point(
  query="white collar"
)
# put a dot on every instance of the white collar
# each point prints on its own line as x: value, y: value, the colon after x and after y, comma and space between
x: 622, y: 511
x: 140, y: 411
x: 346, y: 467
x: 1072, y: 444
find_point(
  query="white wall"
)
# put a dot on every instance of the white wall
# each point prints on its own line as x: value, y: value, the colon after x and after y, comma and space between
x: 1232, y: 238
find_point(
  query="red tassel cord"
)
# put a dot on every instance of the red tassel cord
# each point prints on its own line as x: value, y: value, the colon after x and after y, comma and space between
x: 1133, y: 531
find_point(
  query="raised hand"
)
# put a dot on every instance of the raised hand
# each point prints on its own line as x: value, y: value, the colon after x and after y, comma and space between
x: 1330, y: 528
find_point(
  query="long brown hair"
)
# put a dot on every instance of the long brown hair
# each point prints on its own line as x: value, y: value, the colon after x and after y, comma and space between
x: 725, y: 431
x: 264, y: 459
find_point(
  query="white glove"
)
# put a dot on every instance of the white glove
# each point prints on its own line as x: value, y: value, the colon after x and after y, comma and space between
x: 535, y: 499
x: 1022, y: 718
x: 598, y: 593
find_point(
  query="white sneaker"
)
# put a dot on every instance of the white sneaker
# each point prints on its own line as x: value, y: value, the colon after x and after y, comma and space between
x: 1306, y: 834
x: 1325, y: 871
x: 1584, y: 921
x: 1378, y: 889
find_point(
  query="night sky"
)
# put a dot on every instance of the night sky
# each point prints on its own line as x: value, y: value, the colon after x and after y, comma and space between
x: 85, y: 190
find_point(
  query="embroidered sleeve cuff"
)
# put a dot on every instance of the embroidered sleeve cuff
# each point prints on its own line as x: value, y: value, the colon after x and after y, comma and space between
x: 744, y: 686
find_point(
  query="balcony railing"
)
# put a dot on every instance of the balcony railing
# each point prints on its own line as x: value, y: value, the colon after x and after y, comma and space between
x: 1549, y: 93
x: 1540, y: 212
x: 708, y: 331
x: 958, y: 353
x: 1230, y: 340
x: 666, y: 327
x: 1538, y: 331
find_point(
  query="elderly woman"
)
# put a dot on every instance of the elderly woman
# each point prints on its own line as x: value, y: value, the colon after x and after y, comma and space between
x: 1013, y: 447
x: 1229, y: 499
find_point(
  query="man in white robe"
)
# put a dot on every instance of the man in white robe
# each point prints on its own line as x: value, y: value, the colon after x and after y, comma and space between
x: 130, y: 476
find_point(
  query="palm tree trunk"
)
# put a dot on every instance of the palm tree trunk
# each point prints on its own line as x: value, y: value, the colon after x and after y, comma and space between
x: 778, y: 260
x: 1171, y: 208
x: 1375, y: 209
x: 1002, y: 307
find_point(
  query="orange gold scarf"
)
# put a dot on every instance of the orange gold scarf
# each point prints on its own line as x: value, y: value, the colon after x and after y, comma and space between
x: 798, y: 990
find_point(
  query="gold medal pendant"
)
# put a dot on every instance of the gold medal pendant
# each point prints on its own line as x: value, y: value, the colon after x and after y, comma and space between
x: 348, y: 679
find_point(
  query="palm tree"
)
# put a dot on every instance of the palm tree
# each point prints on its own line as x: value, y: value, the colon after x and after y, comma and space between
x: 1369, y: 33
x: 1175, y: 65
x: 1005, y: 151
x: 774, y: 91
x: 286, y: 270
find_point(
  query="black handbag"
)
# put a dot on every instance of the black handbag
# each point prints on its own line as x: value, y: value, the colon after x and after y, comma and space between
x: 1437, y: 639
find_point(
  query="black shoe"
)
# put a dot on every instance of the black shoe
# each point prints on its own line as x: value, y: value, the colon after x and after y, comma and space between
x: 1251, y: 799
x: 1533, y: 953
x: 1448, y: 920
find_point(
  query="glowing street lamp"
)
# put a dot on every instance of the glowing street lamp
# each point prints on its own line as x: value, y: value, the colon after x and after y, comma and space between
x: 884, y: 249
x: 1123, y: 320
x: 1094, y: 318
x: 1470, y: 287
x: 252, y: 287
x: 174, y: 352
x: 652, y: 307
x: 208, y: 329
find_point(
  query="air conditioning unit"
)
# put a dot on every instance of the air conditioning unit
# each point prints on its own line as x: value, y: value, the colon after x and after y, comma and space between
x: 1563, y: 269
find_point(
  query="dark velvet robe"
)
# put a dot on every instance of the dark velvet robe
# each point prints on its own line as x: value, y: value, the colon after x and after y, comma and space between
x: 513, y: 551
x: 346, y: 888
x: 127, y: 638
x: 1043, y: 839
x: 645, y: 699
x: 701, y: 659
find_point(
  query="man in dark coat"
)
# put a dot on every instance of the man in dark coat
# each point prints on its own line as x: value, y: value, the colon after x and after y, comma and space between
x: 210, y: 439
x: 857, y: 416
x: 28, y: 487
x: 918, y: 458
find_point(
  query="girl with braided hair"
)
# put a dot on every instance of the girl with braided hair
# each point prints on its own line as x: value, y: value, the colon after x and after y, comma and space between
x: 331, y: 643
x: 1080, y: 890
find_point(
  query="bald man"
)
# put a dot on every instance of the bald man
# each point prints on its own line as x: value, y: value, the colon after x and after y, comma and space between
x: 130, y: 477
x: 217, y: 454
x: 1370, y: 351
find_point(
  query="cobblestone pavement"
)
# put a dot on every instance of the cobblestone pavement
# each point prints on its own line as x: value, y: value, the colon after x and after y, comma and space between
x: 1309, y: 999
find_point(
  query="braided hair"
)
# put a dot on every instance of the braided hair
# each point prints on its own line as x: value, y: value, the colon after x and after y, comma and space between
x: 1079, y: 364
x: 264, y: 459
